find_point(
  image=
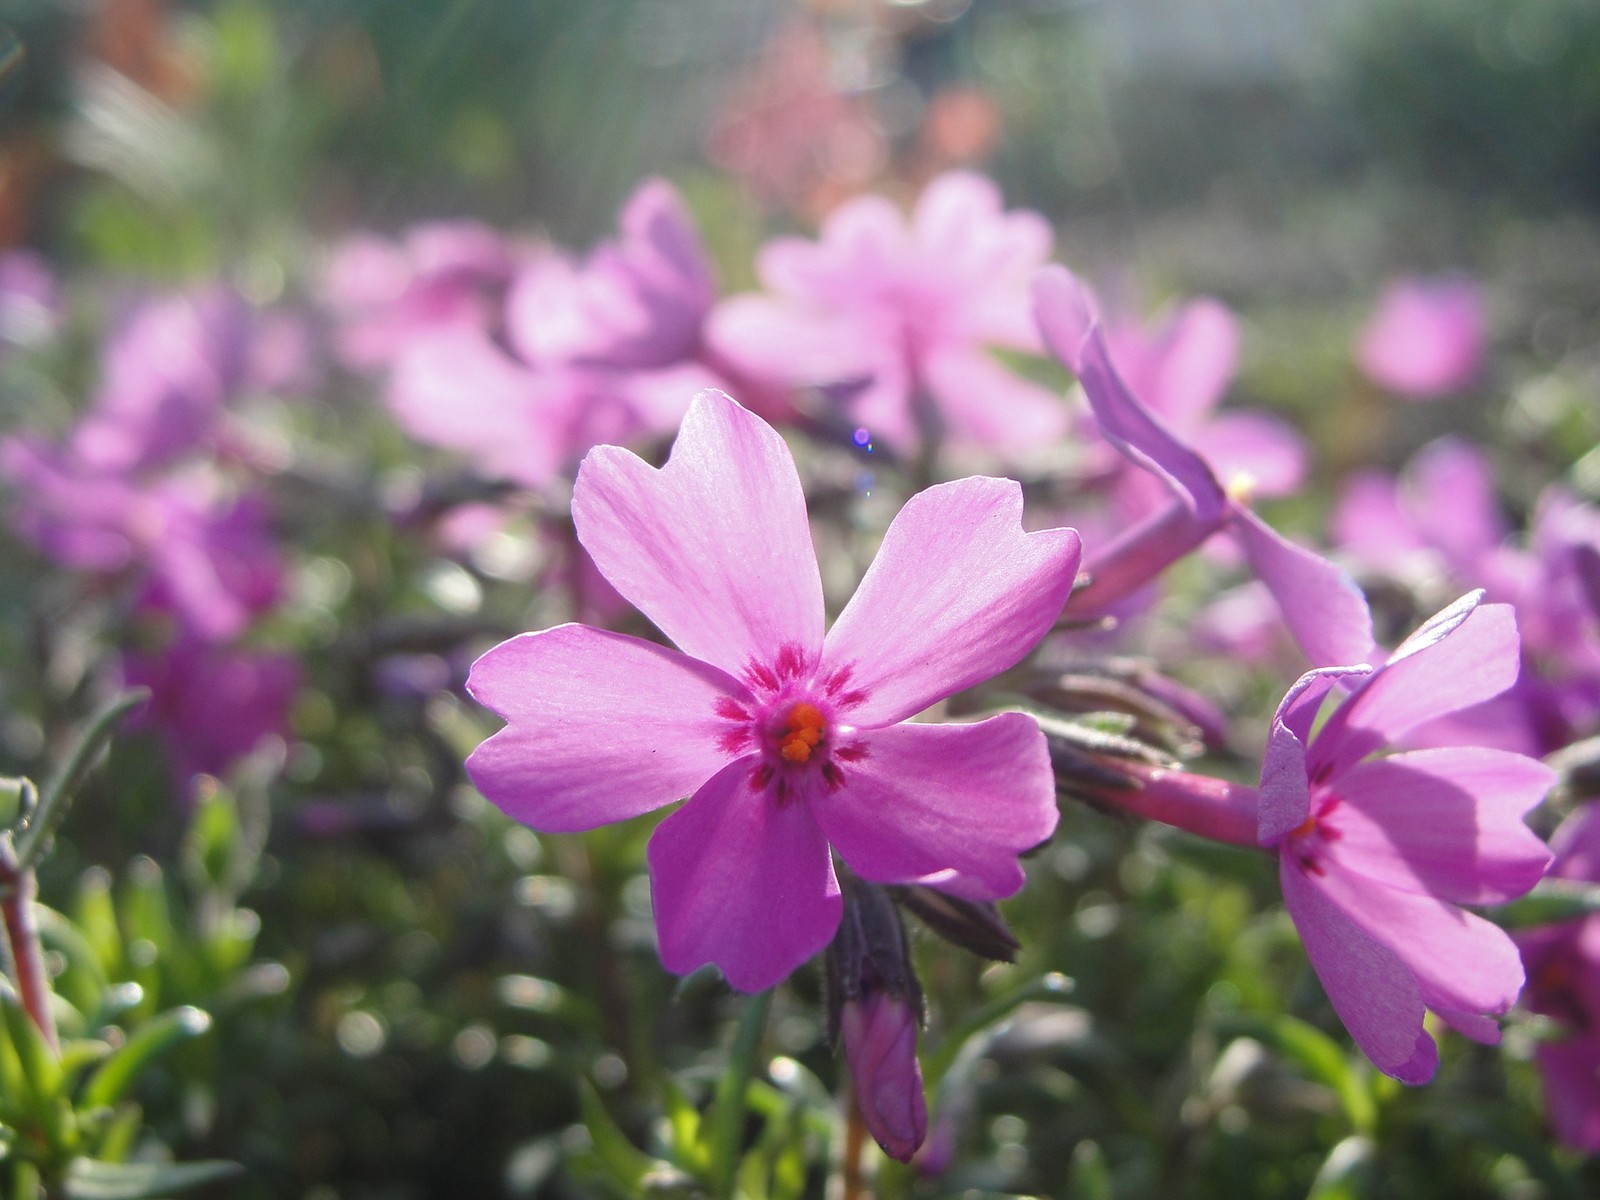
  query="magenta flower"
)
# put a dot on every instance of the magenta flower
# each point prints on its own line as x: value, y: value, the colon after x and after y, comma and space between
x: 1563, y: 965
x: 789, y: 743
x: 599, y: 353
x: 637, y: 303
x: 382, y: 294
x: 1377, y: 855
x: 900, y: 316
x: 1427, y: 338
x: 1325, y: 611
x: 212, y: 705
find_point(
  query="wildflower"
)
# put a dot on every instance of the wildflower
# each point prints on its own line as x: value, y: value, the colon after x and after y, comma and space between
x: 1377, y: 856
x: 1426, y: 339
x: 787, y: 742
x: 902, y: 316
x: 1323, y: 608
x: 1563, y: 965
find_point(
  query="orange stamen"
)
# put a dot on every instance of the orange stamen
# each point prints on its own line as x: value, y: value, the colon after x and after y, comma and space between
x: 801, y: 733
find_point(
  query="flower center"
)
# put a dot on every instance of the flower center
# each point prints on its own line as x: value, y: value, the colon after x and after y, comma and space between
x: 1309, y: 840
x: 801, y: 732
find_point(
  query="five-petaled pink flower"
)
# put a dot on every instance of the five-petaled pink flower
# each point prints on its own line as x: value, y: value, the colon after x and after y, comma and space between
x: 788, y: 742
x: 1377, y: 855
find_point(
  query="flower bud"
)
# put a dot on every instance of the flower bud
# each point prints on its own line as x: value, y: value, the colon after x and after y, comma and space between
x: 879, y: 1033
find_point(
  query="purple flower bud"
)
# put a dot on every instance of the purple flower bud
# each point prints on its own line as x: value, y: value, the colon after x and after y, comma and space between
x: 880, y: 1044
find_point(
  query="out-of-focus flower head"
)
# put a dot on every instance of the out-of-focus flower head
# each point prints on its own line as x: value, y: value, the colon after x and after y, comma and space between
x: 167, y: 372
x: 1563, y: 966
x: 1439, y: 524
x: 899, y: 317
x: 197, y: 550
x: 443, y: 275
x: 603, y: 352
x: 213, y: 704
x: 1377, y: 855
x: 1427, y: 338
x: 790, y: 133
x: 790, y: 744
x: 1324, y: 610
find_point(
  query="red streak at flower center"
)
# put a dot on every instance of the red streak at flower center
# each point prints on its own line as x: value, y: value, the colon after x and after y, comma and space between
x: 1309, y: 840
x: 802, y: 730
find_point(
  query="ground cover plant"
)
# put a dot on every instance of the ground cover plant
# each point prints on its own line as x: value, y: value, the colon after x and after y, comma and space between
x: 827, y: 654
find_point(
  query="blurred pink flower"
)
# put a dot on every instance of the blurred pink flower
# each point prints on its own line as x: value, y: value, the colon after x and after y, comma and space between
x: 897, y: 318
x: 30, y: 301
x: 791, y: 744
x: 1325, y: 611
x: 1563, y: 965
x: 212, y: 705
x: 1427, y: 338
x: 443, y: 275
x: 1377, y: 855
x: 601, y: 352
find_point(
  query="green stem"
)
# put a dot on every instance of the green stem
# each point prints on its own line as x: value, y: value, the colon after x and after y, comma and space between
x: 728, y: 1108
x: 64, y: 780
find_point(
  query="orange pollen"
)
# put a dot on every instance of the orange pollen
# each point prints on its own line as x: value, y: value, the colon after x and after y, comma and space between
x: 801, y: 733
x: 1306, y: 828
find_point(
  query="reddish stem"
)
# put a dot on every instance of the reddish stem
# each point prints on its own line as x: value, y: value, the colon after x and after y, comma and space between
x: 22, y: 940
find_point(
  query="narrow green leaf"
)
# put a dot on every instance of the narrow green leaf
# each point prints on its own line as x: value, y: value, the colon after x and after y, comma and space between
x: 1348, y: 1173
x: 116, y: 1075
x: 1319, y: 1057
x: 40, y: 1065
x: 91, y: 1179
x: 622, y: 1160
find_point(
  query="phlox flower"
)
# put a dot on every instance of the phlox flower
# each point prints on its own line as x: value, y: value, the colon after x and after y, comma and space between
x: 1377, y: 855
x: 381, y: 294
x: 1563, y: 965
x: 1325, y: 611
x: 1427, y: 337
x: 900, y: 315
x: 601, y: 351
x: 791, y: 743
x: 213, y: 704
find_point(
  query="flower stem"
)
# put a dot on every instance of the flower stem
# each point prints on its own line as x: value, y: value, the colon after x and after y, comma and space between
x: 728, y: 1108
x: 18, y: 888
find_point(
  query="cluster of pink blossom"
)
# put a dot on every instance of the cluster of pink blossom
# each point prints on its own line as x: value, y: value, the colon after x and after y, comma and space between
x: 818, y: 804
x: 149, y: 494
x: 795, y: 743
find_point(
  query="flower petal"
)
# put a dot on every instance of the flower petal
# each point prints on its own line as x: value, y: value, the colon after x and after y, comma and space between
x: 742, y: 881
x: 714, y: 547
x: 602, y: 727
x: 1445, y: 823
x: 928, y: 799
x: 1061, y: 305
x: 1324, y: 609
x: 1285, y: 783
x: 1374, y: 993
x: 1468, y: 970
x: 1466, y: 654
x: 1258, y: 449
x: 958, y: 592
x: 1571, y: 1071
x: 984, y: 404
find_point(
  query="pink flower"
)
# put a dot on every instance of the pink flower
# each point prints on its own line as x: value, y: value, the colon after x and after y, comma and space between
x: 600, y: 352
x: 1377, y: 855
x: 1563, y: 964
x: 900, y: 317
x: 1427, y: 338
x: 212, y: 705
x: 1325, y: 611
x: 788, y: 742
x: 382, y: 294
